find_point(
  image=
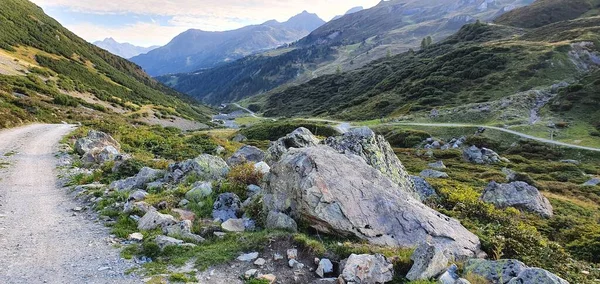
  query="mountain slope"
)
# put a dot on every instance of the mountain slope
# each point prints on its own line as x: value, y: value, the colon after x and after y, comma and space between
x: 542, y: 13
x: 125, y: 50
x: 351, y: 11
x: 348, y: 43
x: 50, y: 74
x: 196, y: 49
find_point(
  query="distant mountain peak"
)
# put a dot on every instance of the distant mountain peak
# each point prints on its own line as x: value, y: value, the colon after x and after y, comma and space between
x: 125, y: 50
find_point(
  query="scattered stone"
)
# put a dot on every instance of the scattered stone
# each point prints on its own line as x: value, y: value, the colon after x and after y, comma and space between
x: 262, y: 168
x: 439, y: 165
x: 104, y: 268
x: 325, y: 267
x: 462, y: 281
x: 234, y: 225
x: 295, y: 264
x: 481, y: 156
x: 239, y: 138
x: 299, y: 138
x: 246, y: 154
x: 592, y: 182
x: 450, y: 276
x: 535, y: 276
x: 77, y: 209
x: 183, y: 203
x: 510, y: 174
x: 574, y: 162
x: 341, y: 194
x: 429, y: 261
x: 138, y: 237
x: 164, y: 241
x: 268, y: 277
x: 204, y: 167
x: 253, y: 189
x: 277, y: 256
x: 248, y: 257
x: 139, y: 181
x: 423, y: 188
x: 183, y: 230
x: 277, y: 220
x: 219, y: 150
x: 500, y: 271
x: 368, y: 269
x: 219, y: 234
x: 138, y: 195
x: 185, y: 214
x: 199, y: 191
x: 292, y: 253
x: 250, y: 274
x: 227, y: 206
x: 154, y: 219
x: 260, y: 262
x: 141, y: 206
x: 433, y: 174
x: 376, y: 152
x: 519, y: 195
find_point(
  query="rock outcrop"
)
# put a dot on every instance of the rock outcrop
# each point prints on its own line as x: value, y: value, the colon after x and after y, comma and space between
x: 367, y: 269
x: 299, y: 138
x: 95, y: 140
x: 376, y: 151
x: 481, y: 156
x: 519, y: 195
x: 428, y: 261
x: 341, y: 194
x: 246, y: 154
x: 510, y: 271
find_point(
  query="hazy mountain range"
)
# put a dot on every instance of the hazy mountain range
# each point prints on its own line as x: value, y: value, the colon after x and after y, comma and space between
x: 196, y: 49
x: 125, y: 50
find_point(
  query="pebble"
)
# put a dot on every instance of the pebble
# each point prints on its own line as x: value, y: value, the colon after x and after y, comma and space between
x: 277, y: 256
x: 260, y: 262
x: 77, y: 209
x: 104, y: 268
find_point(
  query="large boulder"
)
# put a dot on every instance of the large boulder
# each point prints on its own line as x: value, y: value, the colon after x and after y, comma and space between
x: 144, y: 176
x: 204, y: 167
x: 101, y: 155
x: 299, y: 138
x: 94, y: 140
x: 482, y: 156
x: 367, y: 269
x: 246, y: 154
x: 428, y: 261
x: 376, y: 151
x: 341, y: 194
x: 519, y: 195
x: 510, y: 271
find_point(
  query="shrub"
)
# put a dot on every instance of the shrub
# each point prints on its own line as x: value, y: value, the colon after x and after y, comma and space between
x: 65, y: 100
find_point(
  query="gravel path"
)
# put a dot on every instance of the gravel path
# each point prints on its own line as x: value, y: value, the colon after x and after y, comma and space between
x: 41, y: 239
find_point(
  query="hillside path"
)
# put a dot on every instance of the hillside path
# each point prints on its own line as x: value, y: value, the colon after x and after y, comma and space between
x: 41, y: 239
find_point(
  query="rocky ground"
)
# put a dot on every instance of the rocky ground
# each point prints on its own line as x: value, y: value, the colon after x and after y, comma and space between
x: 44, y: 236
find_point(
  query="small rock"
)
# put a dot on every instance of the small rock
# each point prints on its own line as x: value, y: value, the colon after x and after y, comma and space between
x: 138, y: 237
x: 433, y: 174
x: 368, y: 269
x: 450, y: 276
x: 325, y: 267
x: 423, y: 188
x: 226, y: 207
x: 199, y: 191
x: 154, y: 219
x: 250, y: 274
x: 429, y: 261
x: 519, y: 195
x: 246, y: 154
x: 104, y: 268
x: 138, y: 195
x: 164, y: 241
x: 234, y: 225
x: 260, y: 262
x: 262, y: 167
x: 185, y: 214
x: 592, y: 182
x: 295, y: 264
x: 277, y: 220
x: 277, y: 256
x: 77, y: 209
x: 248, y: 257
x: 268, y: 277
x: 219, y: 234
x: 253, y: 189
x: 439, y: 165
x: 292, y: 253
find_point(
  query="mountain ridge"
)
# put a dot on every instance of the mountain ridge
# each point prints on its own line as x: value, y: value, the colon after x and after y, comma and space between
x: 125, y: 49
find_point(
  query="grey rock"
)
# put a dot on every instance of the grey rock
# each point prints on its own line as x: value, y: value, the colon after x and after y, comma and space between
x: 219, y: 150
x: 183, y: 230
x: 450, y: 276
x: 341, y: 194
x: 95, y: 139
x: 592, y: 182
x: 497, y: 272
x: 153, y: 219
x: 423, y: 188
x: 155, y: 185
x: 292, y: 253
x: 239, y: 138
x: 433, y: 174
x: 519, y: 195
x: 246, y: 154
x: 510, y: 174
x: 481, y: 156
x: 234, y: 225
x: 107, y: 154
x: 376, y: 152
x: 574, y: 162
x: 227, y: 206
x: 260, y: 262
x: 139, y: 181
x: 299, y: 138
x: 164, y: 241
x: 462, y: 281
x: 138, y: 195
x: 204, y: 167
x: 428, y: 262
x: 199, y: 191
x: 249, y: 274
x: 367, y: 269
x: 248, y: 257
x: 277, y: 220
x: 253, y: 189
x: 439, y: 165
x: 325, y: 267
x: 537, y: 276
x: 141, y: 206
x: 262, y: 167
x: 292, y: 263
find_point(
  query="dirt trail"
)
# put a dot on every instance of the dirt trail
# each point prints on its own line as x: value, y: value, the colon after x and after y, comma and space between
x: 41, y: 239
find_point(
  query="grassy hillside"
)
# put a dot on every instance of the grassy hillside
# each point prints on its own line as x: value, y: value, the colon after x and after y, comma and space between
x: 546, y: 12
x: 47, y: 72
x: 343, y: 44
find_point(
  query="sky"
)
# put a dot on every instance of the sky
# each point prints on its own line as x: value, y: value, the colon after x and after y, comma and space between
x: 156, y: 22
